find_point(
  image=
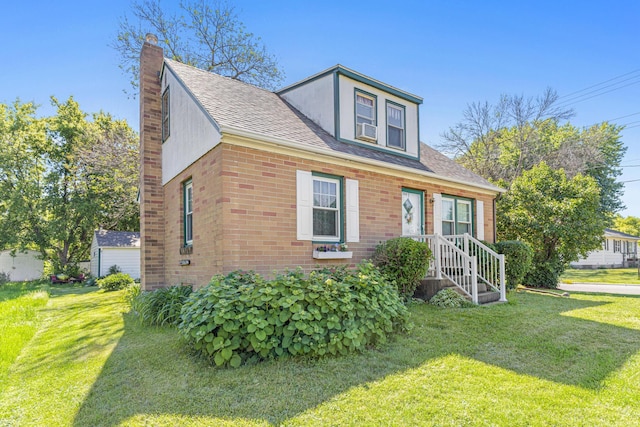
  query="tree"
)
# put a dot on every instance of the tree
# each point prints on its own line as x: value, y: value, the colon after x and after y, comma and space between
x: 207, y: 35
x: 556, y: 215
x: 629, y: 225
x: 61, y: 177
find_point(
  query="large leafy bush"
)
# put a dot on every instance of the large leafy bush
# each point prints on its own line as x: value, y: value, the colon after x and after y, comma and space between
x: 161, y: 306
x: 242, y: 317
x: 114, y: 282
x: 518, y: 257
x: 404, y: 261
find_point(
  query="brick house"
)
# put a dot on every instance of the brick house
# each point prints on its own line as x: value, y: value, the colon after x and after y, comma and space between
x: 238, y: 177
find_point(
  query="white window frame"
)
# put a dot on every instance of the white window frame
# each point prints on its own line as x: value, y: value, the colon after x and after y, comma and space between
x: 166, y: 130
x: 337, y: 209
x: 361, y: 118
x: 456, y: 201
x: 401, y: 109
x: 188, y: 212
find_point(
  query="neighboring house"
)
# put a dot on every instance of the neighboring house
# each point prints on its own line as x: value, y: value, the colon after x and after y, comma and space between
x: 237, y: 177
x: 21, y: 266
x: 619, y: 250
x: 121, y: 248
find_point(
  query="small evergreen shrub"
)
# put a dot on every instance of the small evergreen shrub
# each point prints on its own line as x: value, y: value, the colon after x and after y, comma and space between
x: 161, y: 306
x: 449, y: 298
x: 404, y: 261
x: 114, y: 269
x: 242, y: 317
x: 518, y: 257
x: 114, y: 282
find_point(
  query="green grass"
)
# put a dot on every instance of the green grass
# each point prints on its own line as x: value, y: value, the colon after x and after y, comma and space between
x: 624, y: 276
x: 539, y: 360
x: 19, y: 320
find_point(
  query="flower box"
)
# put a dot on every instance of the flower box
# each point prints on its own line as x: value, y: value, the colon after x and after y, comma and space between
x: 332, y: 255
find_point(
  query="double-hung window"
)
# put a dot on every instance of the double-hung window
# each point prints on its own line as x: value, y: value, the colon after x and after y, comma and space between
x: 326, y: 208
x: 395, y: 126
x: 456, y: 216
x: 165, y: 115
x: 188, y: 213
x: 365, y: 109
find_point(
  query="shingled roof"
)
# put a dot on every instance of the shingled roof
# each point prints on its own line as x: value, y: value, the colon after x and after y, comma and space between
x: 234, y: 104
x: 615, y: 233
x: 118, y: 239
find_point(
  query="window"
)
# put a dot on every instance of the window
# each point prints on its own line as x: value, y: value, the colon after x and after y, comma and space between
x: 457, y: 216
x: 395, y: 126
x: 326, y: 208
x: 165, y: 115
x: 365, y: 109
x: 617, y: 246
x: 188, y: 213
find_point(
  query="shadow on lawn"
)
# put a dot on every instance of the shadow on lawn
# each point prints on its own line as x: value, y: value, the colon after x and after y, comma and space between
x: 149, y: 373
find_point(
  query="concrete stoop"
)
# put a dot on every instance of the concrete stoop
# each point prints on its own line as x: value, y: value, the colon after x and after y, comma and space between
x: 431, y: 286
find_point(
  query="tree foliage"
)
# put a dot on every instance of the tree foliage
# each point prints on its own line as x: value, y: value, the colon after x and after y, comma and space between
x: 63, y: 176
x: 629, y: 225
x: 556, y: 215
x: 205, y: 34
x: 500, y: 142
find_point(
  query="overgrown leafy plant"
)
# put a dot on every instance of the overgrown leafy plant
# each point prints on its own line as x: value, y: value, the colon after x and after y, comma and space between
x: 114, y: 269
x: 404, y: 261
x: 449, y: 298
x: 161, y: 306
x: 242, y: 317
x: 114, y: 282
x: 518, y: 258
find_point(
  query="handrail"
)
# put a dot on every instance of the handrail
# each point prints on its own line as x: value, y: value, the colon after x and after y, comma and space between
x: 465, y: 260
x: 453, y: 263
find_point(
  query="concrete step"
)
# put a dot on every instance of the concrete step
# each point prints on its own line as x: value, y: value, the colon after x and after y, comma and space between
x: 488, y: 297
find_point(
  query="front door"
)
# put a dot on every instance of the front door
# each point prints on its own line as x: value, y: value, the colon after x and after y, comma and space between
x: 412, y: 212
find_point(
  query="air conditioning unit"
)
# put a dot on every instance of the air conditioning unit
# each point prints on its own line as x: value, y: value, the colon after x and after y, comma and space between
x: 367, y: 132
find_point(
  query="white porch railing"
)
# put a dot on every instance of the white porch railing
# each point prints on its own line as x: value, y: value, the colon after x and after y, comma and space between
x: 465, y: 260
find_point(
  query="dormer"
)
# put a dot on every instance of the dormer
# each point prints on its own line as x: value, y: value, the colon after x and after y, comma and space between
x: 357, y: 109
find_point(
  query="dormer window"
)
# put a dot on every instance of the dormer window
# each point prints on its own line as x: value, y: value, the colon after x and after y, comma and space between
x: 395, y: 126
x: 165, y: 115
x: 365, y: 109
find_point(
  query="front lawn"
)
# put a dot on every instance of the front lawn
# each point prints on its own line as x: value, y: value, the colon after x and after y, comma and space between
x: 618, y: 276
x: 538, y: 360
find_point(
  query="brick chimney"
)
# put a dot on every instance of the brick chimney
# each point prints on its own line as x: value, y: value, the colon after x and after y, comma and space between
x: 151, y: 192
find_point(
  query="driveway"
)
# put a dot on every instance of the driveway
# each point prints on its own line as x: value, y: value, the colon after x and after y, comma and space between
x: 602, y: 288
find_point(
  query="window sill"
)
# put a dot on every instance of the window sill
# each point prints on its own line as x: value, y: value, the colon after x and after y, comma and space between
x: 332, y: 255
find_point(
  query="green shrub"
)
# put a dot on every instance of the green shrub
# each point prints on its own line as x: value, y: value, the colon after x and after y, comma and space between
x: 242, y: 317
x: 161, y: 306
x: 543, y: 275
x: 114, y: 269
x: 404, y: 261
x: 131, y: 293
x: 4, y: 277
x: 517, y: 257
x: 114, y: 282
x: 449, y: 298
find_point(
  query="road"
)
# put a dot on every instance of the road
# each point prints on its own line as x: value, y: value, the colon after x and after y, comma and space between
x: 602, y: 288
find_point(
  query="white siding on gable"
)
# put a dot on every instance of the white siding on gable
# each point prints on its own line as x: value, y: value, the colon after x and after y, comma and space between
x: 192, y: 134
x: 94, y: 263
x: 347, y: 88
x: 128, y: 259
x: 315, y: 100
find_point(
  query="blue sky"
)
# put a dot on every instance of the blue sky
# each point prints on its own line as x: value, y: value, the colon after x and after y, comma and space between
x: 451, y: 53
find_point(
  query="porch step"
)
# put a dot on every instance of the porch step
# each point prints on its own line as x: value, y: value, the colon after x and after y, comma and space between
x: 431, y: 286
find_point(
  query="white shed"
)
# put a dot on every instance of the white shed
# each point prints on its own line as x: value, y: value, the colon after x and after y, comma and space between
x: 121, y: 248
x: 21, y: 266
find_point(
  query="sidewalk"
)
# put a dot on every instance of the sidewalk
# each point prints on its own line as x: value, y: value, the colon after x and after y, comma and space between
x: 601, y: 287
